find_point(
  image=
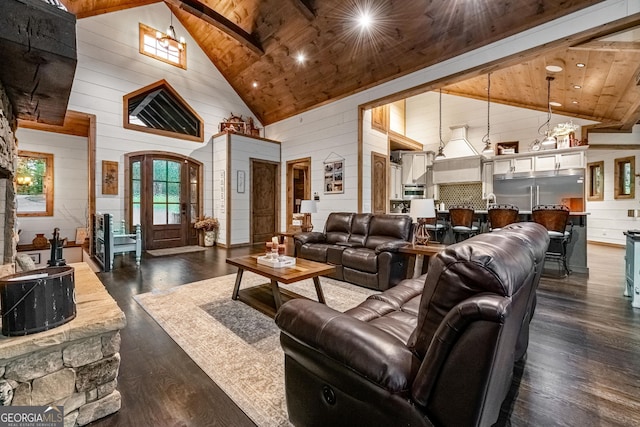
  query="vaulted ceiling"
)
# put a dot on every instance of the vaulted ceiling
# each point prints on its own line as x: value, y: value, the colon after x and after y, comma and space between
x: 257, y: 42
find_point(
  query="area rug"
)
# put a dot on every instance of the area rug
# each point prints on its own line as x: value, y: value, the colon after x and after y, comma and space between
x: 235, y: 345
x: 174, y: 251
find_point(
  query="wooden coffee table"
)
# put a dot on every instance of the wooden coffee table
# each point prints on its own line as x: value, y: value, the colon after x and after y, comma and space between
x: 262, y: 297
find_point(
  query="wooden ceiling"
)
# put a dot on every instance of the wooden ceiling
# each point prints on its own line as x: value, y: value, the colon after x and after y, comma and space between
x: 258, y: 41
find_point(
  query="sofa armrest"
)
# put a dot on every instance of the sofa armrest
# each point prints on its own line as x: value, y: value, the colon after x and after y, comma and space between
x: 373, y: 353
x: 392, y: 246
x: 309, y: 237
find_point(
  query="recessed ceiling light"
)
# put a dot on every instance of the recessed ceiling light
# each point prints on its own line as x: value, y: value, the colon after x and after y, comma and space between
x: 365, y: 20
x: 254, y: 84
x: 577, y: 87
x: 553, y: 68
x: 555, y: 104
x: 581, y: 65
x: 574, y: 102
x: 301, y: 58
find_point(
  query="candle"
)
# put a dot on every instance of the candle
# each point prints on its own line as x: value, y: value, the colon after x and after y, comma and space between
x: 274, y: 240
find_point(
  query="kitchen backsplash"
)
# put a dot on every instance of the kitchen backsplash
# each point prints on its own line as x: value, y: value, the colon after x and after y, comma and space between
x: 462, y: 194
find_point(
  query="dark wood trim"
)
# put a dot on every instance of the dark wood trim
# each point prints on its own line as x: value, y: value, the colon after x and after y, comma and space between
x: 210, y: 16
x: 91, y: 161
x: 291, y: 165
x: 614, y: 146
x: 306, y: 7
x: 165, y: 85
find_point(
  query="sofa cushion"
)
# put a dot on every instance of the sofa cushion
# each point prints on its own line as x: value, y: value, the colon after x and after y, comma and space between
x: 362, y: 259
x: 386, y: 228
x: 360, y: 228
x: 314, y: 251
x: 334, y: 254
x: 338, y: 227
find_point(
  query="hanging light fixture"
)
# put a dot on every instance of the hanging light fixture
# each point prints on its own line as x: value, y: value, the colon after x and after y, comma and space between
x: 549, y: 140
x: 440, y: 154
x: 169, y: 39
x: 488, y: 148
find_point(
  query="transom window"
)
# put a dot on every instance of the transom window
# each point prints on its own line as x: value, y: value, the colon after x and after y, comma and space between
x: 169, y: 50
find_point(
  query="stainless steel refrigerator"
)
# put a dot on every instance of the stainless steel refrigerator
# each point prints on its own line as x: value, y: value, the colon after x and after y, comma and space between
x: 550, y: 187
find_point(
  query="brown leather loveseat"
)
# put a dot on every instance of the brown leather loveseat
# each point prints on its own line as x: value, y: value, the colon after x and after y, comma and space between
x: 437, y: 350
x: 363, y: 247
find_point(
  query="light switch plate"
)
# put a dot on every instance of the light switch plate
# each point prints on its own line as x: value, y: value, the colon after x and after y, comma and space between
x: 297, y: 222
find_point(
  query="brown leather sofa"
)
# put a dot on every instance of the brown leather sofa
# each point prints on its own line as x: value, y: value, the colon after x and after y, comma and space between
x: 363, y: 247
x: 437, y: 350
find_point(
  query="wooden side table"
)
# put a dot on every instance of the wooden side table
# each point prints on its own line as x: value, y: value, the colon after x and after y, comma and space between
x: 421, y: 252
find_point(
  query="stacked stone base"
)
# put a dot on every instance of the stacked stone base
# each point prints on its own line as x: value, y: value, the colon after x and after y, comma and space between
x: 80, y: 375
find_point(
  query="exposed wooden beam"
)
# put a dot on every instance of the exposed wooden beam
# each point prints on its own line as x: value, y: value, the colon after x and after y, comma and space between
x: 204, y: 12
x: 607, y: 46
x: 306, y: 7
x: 75, y: 123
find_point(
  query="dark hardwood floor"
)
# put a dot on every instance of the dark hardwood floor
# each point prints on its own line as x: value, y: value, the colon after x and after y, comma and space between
x: 582, y: 367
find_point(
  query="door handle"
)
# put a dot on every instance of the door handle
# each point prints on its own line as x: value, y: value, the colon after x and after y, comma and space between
x: 183, y: 207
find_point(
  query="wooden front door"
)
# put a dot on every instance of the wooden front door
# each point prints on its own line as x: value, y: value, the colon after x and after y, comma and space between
x: 165, y: 199
x: 379, y: 169
x: 264, y: 200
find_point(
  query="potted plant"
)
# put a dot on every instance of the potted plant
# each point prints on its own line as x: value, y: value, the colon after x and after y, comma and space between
x: 209, y: 226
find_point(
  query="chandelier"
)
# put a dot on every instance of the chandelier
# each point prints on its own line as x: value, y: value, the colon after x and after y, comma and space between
x: 488, y: 149
x: 169, y: 40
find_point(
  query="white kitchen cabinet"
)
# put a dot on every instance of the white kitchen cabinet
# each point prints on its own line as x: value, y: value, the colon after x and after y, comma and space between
x: 414, y: 168
x: 395, y: 182
x: 513, y: 165
x: 557, y: 161
x: 487, y: 179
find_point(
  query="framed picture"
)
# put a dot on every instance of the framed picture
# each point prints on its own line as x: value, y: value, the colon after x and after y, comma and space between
x: 35, y: 257
x: 333, y: 177
x: 241, y: 181
x: 109, y: 177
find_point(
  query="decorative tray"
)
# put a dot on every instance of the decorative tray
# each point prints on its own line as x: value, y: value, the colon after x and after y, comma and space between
x: 281, y: 261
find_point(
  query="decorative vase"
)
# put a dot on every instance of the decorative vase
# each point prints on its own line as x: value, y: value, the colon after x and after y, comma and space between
x: 40, y: 241
x: 209, y: 238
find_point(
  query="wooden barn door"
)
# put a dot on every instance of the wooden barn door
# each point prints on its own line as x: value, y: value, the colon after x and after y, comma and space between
x: 265, y: 186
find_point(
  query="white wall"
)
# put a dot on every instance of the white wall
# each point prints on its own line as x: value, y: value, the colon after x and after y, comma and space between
x: 334, y: 127
x: 507, y: 123
x: 70, y: 184
x: 110, y: 66
x: 608, y: 218
x: 244, y: 149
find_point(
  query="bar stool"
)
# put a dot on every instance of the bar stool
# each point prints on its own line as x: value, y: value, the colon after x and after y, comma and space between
x: 461, y: 219
x: 436, y: 228
x: 502, y: 215
x: 555, y: 219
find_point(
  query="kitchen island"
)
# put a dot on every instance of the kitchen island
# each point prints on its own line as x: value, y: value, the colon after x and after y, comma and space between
x: 576, y: 251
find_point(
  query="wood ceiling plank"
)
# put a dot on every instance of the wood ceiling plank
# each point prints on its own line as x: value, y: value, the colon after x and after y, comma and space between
x: 204, y: 12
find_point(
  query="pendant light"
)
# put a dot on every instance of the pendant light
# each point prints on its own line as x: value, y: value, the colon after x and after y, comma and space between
x: 488, y: 149
x: 166, y: 40
x: 440, y: 154
x: 549, y: 140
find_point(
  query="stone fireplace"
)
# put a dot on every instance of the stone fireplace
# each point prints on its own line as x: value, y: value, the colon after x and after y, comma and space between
x: 8, y: 152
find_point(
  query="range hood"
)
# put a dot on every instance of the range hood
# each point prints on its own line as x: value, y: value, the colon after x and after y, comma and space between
x: 459, y: 145
x: 462, y: 163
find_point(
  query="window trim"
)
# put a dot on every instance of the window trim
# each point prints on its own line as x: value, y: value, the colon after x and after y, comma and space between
x: 595, y: 194
x: 47, y: 184
x: 164, y: 84
x: 617, y: 189
x: 147, y: 30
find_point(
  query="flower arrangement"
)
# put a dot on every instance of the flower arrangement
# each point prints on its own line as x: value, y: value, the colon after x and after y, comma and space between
x: 207, y: 223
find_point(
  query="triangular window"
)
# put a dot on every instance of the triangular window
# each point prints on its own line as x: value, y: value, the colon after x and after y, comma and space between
x: 158, y: 109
